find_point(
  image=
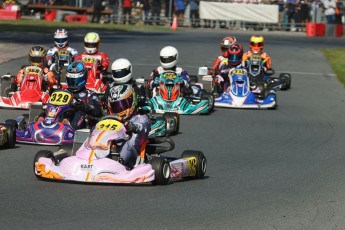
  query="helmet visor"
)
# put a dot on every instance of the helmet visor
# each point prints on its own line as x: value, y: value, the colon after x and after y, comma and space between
x: 122, y: 105
x: 121, y: 73
x: 234, y: 58
x: 90, y: 44
x: 60, y: 40
x: 257, y: 44
x: 74, y: 79
x: 168, y: 59
x: 36, y: 59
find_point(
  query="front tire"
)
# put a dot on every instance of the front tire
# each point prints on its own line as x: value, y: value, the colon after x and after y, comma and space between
x: 175, y: 117
x: 162, y: 170
x: 201, y: 162
x: 11, y: 133
x: 42, y: 153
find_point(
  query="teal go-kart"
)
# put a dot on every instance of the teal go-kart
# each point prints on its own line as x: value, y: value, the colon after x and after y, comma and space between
x: 168, y: 96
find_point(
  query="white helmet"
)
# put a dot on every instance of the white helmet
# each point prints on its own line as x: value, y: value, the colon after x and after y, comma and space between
x: 61, y: 38
x: 168, y: 57
x: 91, y: 42
x: 121, y: 70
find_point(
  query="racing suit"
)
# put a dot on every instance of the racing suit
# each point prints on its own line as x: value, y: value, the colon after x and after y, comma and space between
x: 102, y: 58
x: 87, y: 106
x: 264, y: 56
x: 217, y: 63
x: 222, y: 70
x: 48, y: 75
x: 154, y: 77
x: 51, y: 52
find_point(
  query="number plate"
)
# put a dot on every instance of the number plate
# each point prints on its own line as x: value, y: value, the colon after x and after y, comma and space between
x: 169, y: 75
x: 109, y: 124
x: 60, y: 98
x: 238, y: 71
x: 89, y: 60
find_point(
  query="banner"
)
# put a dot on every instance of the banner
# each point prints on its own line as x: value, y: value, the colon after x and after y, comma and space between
x: 239, y: 12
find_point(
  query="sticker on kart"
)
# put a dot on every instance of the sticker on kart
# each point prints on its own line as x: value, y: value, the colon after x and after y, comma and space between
x: 109, y: 125
x: 60, y: 98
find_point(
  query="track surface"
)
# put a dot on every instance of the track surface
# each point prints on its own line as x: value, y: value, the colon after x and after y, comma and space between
x: 281, y: 169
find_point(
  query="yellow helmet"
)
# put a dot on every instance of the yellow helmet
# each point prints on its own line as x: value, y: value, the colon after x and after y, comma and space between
x: 91, y: 42
x: 37, y: 56
x: 256, y: 43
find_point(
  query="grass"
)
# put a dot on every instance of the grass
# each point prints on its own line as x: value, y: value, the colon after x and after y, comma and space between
x: 31, y: 25
x: 336, y: 59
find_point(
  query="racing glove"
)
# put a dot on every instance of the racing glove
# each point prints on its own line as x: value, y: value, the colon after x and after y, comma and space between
x: 130, y: 127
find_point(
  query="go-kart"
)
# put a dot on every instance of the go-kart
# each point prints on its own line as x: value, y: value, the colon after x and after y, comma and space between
x: 97, y: 160
x: 168, y: 97
x: 256, y: 70
x: 51, y: 131
x: 95, y: 81
x: 32, y: 89
x: 244, y: 92
x: 166, y: 125
x: 8, y: 134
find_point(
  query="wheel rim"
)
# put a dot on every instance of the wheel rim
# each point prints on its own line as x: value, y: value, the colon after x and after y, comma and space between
x: 203, y: 165
x: 166, y: 171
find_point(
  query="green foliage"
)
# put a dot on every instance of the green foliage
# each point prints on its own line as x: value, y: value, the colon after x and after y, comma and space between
x: 336, y: 59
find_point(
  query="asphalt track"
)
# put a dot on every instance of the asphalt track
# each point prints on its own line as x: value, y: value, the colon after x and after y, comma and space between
x: 281, y: 169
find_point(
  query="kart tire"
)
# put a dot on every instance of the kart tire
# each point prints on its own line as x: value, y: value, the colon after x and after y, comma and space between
x: 11, y: 133
x: 176, y: 118
x: 42, y: 153
x: 216, y: 91
x: 286, y: 77
x: 5, y: 86
x: 201, y: 162
x: 162, y: 170
x: 208, y: 96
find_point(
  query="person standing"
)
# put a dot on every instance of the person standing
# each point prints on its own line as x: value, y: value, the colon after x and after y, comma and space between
x: 127, y: 11
x: 156, y: 11
x: 97, y: 11
x: 330, y: 6
x: 194, y: 13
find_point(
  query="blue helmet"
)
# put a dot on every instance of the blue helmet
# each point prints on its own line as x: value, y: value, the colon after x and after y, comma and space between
x: 76, y: 76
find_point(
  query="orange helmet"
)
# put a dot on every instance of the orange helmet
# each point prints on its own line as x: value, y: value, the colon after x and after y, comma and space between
x: 256, y: 43
x: 225, y: 45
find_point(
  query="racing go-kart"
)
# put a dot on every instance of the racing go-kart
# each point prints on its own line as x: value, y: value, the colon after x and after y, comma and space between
x: 167, y: 97
x: 97, y: 160
x: 51, y: 131
x: 95, y: 81
x: 32, y: 89
x: 244, y: 92
x: 8, y: 134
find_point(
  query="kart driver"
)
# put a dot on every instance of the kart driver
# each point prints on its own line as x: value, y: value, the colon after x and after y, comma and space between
x: 168, y: 61
x: 36, y: 58
x: 234, y: 59
x: 61, y: 43
x: 122, y: 102
x: 91, y: 45
x: 224, y: 47
x: 87, y: 103
x: 256, y: 47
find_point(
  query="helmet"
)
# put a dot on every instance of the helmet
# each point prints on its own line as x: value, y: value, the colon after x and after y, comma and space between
x: 256, y: 43
x: 76, y: 76
x: 122, y: 101
x: 121, y: 70
x: 61, y: 38
x: 168, y: 57
x: 37, y: 56
x: 91, y: 42
x: 225, y: 45
x: 235, y: 54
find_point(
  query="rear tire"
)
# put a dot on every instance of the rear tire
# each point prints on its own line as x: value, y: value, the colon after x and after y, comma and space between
x: 162, y: 170
x: 5, y: 86
x: 201, y: 162
x: 11, y: 133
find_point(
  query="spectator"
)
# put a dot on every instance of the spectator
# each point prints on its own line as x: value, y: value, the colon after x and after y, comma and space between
x: 146, y: 9
x: 194, y: 13
x: 330, y: 6
x: 127, y: 11
x: 169, y: 9
x: 156, y: 11
x: 339, y: 12
x: 97, y: 11
x: 113, y: 5
x: 179, y: 11
x: 291, y: 7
